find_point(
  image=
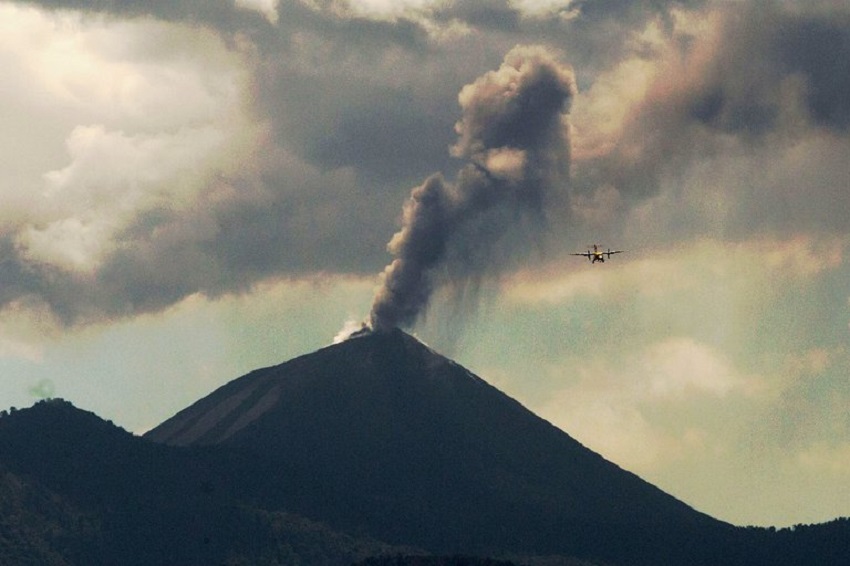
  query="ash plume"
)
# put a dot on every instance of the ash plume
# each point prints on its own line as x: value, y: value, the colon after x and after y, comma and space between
x: 514, y: 134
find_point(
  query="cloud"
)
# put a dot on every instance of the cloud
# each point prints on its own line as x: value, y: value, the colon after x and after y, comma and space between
x: 17, y: 349
x: 169, y: 185
x: 828, y: 459
x: 620, y: 402
x: 249, y: 149
x: 612, y: 425
x: 679, y: 367
x: 384, y: 9
x: 266, y: 7
x: 707, y: 273
x: 545, y: 8
x: 226, y: 15
x: 717, y: 107
x: 112, y: 178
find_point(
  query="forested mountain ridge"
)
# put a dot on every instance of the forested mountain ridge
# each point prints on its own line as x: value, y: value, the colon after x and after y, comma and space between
x: 78, y: 490
x: 377, y: 448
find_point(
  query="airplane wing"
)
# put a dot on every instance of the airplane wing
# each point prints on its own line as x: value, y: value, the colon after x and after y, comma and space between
x: 585, y: 254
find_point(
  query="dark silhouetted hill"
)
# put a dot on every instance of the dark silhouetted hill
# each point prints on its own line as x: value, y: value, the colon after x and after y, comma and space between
x: 376, y: 447
x: 75, y: 489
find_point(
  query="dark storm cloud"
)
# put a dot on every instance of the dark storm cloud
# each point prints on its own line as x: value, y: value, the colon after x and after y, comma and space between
x: 512, y: 131
x: 364, y: 109
x: 17, y: 280
x: 741, y: 92
x: 220, y: 247
x: 320, y: 81
x: 491, y: 15
x: 220, y: 14
x: 379, y: 96
x: 819, y: 49
x: 388, y: 133
x: 773, y: 77
x: 350, y: 107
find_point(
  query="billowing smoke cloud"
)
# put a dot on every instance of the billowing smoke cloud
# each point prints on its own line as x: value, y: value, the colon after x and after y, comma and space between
x: 515, y: 136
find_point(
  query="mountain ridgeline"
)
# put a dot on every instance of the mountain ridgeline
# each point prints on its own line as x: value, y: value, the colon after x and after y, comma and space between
x: 383, y: 434
x: 376, y: 447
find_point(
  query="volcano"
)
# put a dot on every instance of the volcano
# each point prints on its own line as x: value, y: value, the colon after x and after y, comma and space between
x: 382, y: 435
x: 375, y: 451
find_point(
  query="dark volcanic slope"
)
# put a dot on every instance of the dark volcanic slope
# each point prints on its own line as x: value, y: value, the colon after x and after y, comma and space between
x: 77, y: 490
x: 383, y: 435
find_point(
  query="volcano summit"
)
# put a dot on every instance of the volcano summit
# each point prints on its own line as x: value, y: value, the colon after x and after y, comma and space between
x: 381, y: 434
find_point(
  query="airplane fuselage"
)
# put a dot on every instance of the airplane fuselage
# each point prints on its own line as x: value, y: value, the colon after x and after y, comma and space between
x: 596, y: 254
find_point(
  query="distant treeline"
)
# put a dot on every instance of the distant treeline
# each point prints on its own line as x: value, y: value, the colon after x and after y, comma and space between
x: 419, y: 560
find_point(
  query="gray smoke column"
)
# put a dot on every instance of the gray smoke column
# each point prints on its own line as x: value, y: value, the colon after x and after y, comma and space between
x: 515, y: 136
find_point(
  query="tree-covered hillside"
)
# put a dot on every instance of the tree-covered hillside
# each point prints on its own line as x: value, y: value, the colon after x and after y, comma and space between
x: 78, y: 491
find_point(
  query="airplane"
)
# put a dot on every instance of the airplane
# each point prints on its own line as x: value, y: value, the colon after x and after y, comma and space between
x: 598, y: 255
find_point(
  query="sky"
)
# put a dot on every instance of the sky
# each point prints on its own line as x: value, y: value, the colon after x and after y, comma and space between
x: 194, y: 190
